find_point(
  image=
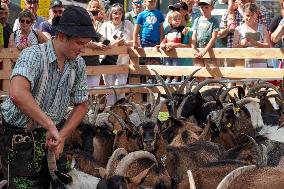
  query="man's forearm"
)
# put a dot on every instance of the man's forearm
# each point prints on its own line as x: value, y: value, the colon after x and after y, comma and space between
x: 223, y: 33
x: 75, y: 118
x: 277, y: 34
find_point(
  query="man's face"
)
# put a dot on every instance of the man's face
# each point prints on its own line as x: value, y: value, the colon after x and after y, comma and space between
x: 56, y: 11
x: 137, y: 6
x: 7, y: 2
x: 73, y: 46
x: 32, y: 6
x: 4, y: 14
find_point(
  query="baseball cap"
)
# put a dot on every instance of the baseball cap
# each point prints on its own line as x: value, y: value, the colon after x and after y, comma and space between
x: 56, y: 3
x: 32, y: 1
x: 205, y: 2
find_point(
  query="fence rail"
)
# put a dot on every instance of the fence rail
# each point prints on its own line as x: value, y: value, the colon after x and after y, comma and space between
x: 135, y: 70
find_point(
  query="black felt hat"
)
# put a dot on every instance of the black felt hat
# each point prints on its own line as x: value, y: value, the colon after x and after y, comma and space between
x: 75, y: 21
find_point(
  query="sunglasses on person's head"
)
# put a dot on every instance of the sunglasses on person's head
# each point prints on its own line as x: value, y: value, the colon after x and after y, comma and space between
x: 57, y: 11
x: 25, y: 21
x: 138, y: 2
x: 116, y: 5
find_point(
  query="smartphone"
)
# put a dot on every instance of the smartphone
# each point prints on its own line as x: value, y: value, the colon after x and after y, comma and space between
x: 106, y: 42
x: 114, y: 37
x: 251, y: 35
x: 95, y: 13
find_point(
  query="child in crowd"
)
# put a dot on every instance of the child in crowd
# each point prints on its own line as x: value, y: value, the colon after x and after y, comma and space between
x: 151, y: 20
x: 151, y: 23
x: 205, y: 30
x: 232, y: 6
x: 173, y: 38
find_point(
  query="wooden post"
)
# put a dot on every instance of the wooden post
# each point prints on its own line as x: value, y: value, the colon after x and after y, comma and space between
x: 134, y: 79
x: 6, y: 67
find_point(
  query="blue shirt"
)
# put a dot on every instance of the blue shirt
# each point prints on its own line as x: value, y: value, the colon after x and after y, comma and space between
x: 59, y: 91
x: 150, y: 21
x: 47, y: 27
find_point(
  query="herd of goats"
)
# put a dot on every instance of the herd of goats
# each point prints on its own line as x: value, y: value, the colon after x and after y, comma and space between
x: 211, y: 139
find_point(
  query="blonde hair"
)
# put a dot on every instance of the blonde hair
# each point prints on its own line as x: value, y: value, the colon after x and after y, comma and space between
x: 172, y: 15
x: 102, y: 8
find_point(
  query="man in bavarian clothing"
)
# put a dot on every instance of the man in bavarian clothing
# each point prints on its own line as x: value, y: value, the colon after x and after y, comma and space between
x: 45, y: 80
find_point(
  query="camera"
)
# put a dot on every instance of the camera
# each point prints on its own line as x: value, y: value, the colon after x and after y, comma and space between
x: 116, y: 36
x: 106, y: 42
x: 95, y: 13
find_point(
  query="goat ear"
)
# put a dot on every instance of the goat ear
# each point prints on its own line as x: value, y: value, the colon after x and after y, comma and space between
x: 241, y: 91
x: 138, y: 178
x: 233, y: 101
x: 102, y: 172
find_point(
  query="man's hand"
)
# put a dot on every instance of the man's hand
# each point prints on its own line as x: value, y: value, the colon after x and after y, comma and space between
x: 59, y: 149
x: 52, y: 138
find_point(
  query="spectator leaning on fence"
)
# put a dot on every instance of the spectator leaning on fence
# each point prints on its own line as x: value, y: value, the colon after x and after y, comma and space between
x: 173, y: 39
x: 44, y: 82
x: 277, y: 35
x: 7, y: 28
x: 252, y: 34
x: 276, y: 28
x: 26, y: 36
x: 56, y: 9
x: 205, y: 31
x: 96, y: 11
x: 119, y: 31
x: 31, y: 5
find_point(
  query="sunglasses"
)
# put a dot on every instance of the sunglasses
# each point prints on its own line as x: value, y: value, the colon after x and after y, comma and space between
x: 138, y: 3
x: 25, y: 21
x: 57, y: 11
x: 117, y: 5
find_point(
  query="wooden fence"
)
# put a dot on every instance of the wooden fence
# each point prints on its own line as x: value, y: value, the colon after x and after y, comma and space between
x: 135, y: 70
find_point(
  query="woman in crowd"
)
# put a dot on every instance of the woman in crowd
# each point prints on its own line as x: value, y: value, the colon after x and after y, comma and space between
x: 26, y: 36
x: 97, y: 13
x: 56, y: 9
x: 119, y: 31
x: 251, y: 34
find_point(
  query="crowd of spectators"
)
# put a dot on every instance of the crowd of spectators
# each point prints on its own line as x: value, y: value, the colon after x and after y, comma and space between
x: 187, y: 24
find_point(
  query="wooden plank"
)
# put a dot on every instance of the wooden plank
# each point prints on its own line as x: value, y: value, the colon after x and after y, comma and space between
x: 98, y: 70
x: 259, y: 53
x: 229, y: 72
x: 109, y: 91
x: 5, y: 75
x: 111, y: 51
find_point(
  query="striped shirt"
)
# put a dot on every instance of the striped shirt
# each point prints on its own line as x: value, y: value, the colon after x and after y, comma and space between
x: 58, y: 94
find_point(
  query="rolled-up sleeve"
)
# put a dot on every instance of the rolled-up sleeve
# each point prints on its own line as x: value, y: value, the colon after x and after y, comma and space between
x: 79, y: 91
x: 28, y: 65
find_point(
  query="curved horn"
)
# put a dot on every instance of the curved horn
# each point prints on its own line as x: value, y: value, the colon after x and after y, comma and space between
x: 130, y: 158
x: 51, y: 162
x: 119, y: 119
x: 167, y: 90
x: 127, y: 98
x: 115, y: 94
x: 191, y: 180
x: 180, y: 108
x: 224, y: 184
x: 259, y: 153
x: 265, y: 85
x: 206, y: 82
x: 184, y: 83
x: 156, y: 111
x: 151, y: 98
x: 244, y: 101
x: 224, y: 94
x: 112, y: 160
x: 3, y: 183
x: 190, y: 85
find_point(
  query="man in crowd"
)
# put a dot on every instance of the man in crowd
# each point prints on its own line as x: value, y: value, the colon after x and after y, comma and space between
x: 46, y: 79
x: 14, y: 10
x: 7, y: 28
x: 31, y: 5
x: 137, y: 8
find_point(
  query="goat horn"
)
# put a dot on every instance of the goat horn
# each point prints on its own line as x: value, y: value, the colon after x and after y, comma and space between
x: 259, y: 153
x: 180, y: 108
x: 244, y: 101
x: 156, y: 110
x: 188, y: 78
x: 166, y: 88
x: 265, y: 85
x: 51, y: 162
x: 151, y: 98
x: 115, y: 94
x: 3, y: 183
x: 190, y: 85
x: 130, y: 158
x: 224, y: 184
x: 204, y: 132
x: 127, y: 98
x: 112, y: 160
x: 191, y: 180
x: 206, y: 82
x: 119, y: 119
x: 139, y: 110
x: 224, y: 94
